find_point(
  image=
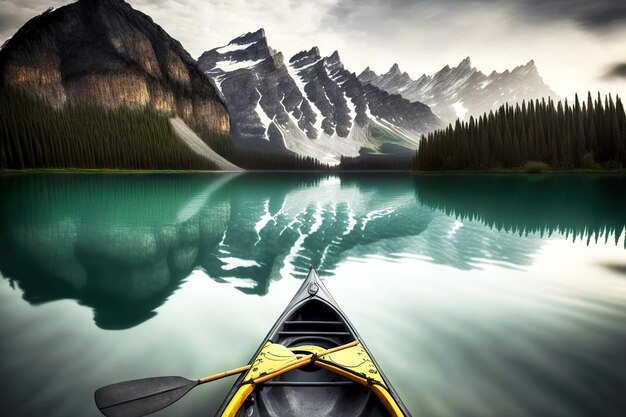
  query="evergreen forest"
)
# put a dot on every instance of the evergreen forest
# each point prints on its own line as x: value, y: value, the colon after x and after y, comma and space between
x: 36, y: 135
x: 536, y: 135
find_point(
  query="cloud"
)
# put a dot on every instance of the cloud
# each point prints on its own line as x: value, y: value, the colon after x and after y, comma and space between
x: 593, y: 15
x: 572, y: 41
x: 617, y: 70
x: 7, y: 22
x: 14, y: 13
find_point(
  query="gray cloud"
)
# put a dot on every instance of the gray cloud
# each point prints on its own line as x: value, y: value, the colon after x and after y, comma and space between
x: 596, y: 14
x: 572, y: 41
x: 590, y: 14
x: 7, y: 22
x: 618, y: 70
x: 14, y: 13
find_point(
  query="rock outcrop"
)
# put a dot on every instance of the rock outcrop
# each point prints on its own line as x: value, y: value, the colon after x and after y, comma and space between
x: 104, y: 52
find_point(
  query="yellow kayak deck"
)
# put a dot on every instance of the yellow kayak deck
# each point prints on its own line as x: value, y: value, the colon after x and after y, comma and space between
x: 353, y: 363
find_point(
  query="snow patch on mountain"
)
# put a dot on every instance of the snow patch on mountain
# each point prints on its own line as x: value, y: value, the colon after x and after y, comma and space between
x: 265, y: 120
x: 231, y: 47
x: 460, y: 110
x: 229, y: 66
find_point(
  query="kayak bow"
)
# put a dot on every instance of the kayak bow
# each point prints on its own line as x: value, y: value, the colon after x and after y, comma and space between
x: 304, y: 368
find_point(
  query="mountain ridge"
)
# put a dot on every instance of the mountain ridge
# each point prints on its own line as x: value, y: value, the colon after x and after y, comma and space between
x: 463, y: 91
x: 310, y: 105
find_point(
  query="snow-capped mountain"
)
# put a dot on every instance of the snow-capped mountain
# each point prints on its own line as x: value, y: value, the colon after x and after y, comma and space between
x: 463, y: 91
x: 310, y: 105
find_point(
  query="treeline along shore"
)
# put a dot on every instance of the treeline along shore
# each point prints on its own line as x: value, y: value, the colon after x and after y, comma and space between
x: 36, y: 135
x: 536, y: 135
x: 539, y: 135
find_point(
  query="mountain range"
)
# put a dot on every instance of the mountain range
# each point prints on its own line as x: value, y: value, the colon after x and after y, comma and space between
x: 463, y: 91
x: 105, y: 53
x: 310, y: 105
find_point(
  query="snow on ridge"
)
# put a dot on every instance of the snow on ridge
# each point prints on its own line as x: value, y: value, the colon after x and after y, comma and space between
x: 305, y: 66
x: 265, y: 119
x: 460, y: 110
x: 231, y: 47
x: 300, y: 84
x: 218, y: 83
x: 351, y: 110
x: 485, y: 84
x: 228, y: 66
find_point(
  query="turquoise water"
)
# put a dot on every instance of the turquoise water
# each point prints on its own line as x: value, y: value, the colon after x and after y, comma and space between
x: 479, y: 295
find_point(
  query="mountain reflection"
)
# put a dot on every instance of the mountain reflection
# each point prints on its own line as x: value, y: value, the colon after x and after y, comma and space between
x: 122, y: 244
x: 588, y: 206
x: 118, y: 243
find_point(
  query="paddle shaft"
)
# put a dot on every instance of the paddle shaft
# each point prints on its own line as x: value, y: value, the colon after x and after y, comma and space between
x: 224, y: 374
x: 300, y: 362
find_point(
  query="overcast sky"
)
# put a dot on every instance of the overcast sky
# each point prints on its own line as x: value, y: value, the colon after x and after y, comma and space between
x: 578, y: 45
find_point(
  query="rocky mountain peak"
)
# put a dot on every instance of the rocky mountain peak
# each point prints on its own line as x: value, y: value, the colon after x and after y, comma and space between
x: 528, y: 68
x: 395, y: 69
x: 465, y: 64
x: 312, y: 106
x: 306, y: 57
x: 368, y: 70
x: 334, y: 58
x: 367, y: 75
x: 314, y: 52
x: 103, y: 2
x: 105, y: 53
x: 107, y: 6
x: 463, y: 91
x: 250, y: 37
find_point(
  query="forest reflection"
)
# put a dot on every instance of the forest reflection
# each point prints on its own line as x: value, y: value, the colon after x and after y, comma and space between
x: 589, y: 207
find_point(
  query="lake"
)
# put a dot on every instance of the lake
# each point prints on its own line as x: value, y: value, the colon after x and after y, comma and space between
x: 478, y: 294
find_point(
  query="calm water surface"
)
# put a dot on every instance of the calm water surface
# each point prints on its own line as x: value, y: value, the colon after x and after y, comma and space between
x: 479, y: 295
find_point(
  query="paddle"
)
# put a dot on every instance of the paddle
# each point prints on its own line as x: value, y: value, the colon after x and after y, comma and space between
x: 145, y: 396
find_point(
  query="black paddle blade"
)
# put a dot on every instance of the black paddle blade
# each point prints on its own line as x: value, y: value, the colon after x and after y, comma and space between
x: 141, y: 396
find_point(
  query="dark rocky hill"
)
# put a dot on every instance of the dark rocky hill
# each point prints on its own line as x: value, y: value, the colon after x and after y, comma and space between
x: 106, y: 53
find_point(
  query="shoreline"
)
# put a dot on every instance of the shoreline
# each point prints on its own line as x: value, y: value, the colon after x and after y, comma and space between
x: 191, y: 171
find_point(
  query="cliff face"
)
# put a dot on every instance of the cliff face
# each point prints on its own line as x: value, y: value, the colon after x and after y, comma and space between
x: 105, y: 52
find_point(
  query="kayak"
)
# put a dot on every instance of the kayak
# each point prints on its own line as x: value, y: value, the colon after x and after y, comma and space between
x: 331, y: 372
x: 311, y: 363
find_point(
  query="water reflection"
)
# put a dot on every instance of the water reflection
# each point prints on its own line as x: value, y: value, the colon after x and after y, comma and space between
x: 122, y: 244
x: 589, y: 206
x: 417, y: 259
x: 118, y: 244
